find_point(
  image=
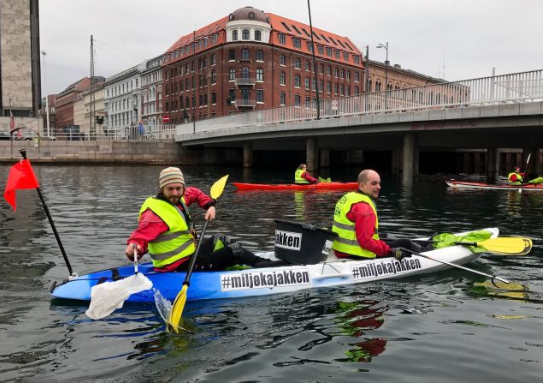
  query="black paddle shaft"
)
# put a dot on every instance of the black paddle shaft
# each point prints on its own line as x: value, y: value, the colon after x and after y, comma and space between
x: 46, y: 209
x: 193, y: 258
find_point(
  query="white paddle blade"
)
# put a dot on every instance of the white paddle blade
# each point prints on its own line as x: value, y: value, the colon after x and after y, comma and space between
x: 109, y: 296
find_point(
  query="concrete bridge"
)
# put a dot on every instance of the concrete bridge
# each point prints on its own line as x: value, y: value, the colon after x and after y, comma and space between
x: 489, y: 113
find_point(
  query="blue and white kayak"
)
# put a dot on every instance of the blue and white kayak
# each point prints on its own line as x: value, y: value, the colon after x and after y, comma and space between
x: 266, y: 281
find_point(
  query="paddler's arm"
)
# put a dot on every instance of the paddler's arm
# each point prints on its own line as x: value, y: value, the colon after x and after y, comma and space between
x: 365, y: 221
x: 195, y: 195
x: 150, y: 227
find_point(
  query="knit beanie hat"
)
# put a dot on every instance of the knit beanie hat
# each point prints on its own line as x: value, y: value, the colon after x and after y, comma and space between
x: 171, y: 175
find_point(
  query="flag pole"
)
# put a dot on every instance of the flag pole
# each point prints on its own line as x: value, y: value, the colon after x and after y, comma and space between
x: 23, y: 154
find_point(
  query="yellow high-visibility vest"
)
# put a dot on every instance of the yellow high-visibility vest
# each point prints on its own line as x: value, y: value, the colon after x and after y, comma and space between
x: 174, y: 244
x: 346, y: 242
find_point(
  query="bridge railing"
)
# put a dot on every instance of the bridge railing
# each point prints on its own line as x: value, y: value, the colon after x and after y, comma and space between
x: 508, y: 88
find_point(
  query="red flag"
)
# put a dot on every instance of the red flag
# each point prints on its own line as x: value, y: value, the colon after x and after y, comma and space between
x: 21, y: 176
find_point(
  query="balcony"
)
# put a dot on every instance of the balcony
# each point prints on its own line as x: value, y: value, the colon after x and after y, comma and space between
x: 244, y: 81
x: 245, y: 103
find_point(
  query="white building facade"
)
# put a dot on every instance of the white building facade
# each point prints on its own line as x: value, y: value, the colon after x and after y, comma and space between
x: 122, y: 100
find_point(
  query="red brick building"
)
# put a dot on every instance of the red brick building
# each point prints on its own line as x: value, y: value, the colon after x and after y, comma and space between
x: 64, y: 103
x: 252, y: 60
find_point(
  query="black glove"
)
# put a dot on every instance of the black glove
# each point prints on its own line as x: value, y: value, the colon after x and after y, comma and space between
x: 399, y: 253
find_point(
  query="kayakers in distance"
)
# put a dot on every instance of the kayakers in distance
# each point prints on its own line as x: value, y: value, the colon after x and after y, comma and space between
x: 303, y: 177
x: 165, y: 229
x: 516, y: 177
x: 356, y: 223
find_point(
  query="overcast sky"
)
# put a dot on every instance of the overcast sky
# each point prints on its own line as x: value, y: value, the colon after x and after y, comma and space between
x: 452, y: 39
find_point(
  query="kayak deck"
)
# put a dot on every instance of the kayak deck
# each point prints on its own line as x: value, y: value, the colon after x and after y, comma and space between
x: 266, y: 281
x: 319, y: 186
x: 481, y: 185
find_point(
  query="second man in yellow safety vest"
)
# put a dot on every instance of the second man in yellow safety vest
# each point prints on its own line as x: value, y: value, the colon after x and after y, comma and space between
x: 356, y: 223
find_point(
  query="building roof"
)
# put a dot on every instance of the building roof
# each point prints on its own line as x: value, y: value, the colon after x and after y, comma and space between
x: 321, y: 37
x: 290, y: 28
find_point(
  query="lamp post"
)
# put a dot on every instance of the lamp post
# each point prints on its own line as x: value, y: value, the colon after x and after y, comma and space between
x: 314, y: 61
x: 195, y: 98
x: 386, y: 47
x: 44, y: 53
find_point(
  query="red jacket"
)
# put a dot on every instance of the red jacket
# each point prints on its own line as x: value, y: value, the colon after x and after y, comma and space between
x: 150, y: 225
x: 365, y: 221
x: 309, y: 178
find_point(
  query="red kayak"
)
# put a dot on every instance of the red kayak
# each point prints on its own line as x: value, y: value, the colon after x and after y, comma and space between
x: 319, y: 186
x: 481, y: 185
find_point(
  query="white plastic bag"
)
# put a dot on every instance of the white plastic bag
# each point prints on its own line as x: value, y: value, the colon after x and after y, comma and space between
x: 109, y: 296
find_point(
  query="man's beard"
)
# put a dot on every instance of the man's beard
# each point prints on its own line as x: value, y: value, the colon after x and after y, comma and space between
x: 174, y: 200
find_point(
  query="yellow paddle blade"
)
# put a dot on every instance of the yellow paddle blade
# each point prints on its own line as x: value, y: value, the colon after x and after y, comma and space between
x: 177, y: 308
x: 218, y: 186
x: 508, y: 245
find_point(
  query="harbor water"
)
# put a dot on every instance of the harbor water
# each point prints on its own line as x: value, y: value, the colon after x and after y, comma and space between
x: 452, y: 326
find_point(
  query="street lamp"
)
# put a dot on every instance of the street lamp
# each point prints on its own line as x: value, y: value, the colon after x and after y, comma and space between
x: 313, y: 58
x: 44, y: 53
x: 386, y: 47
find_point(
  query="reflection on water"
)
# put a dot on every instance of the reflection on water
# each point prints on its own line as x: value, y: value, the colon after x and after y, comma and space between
x: 315, y: 335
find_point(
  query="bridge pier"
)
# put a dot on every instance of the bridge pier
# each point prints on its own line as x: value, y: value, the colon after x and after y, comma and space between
x: 248, y: 154
x: 311, y: 154
x: 492, y: 165
x: 410, y: 158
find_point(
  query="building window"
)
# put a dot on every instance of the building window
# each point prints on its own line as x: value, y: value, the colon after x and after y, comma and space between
x: 307, y: 83
x: 259, y: 55
x: 232, y: 94
x: 214, y: 38
x: 336, y: 88
x: 342, y: 73
x: 356, y: 74
x: 336, y: 72
x: 337, y: 54
x: 320, y: 49
x: 214, y: 77
x: 329, y: 70
x: 348, y: 75
x: 297, y: 63
x: 282, y: 59
x: 213, y: 59
x: 282, y: 98
x: 356, y: 59
x: 346, y: 56
x: 281, y: 38
x: 308, y: 66
x: 232, y: 55
x: 245, y: 54
x: 329, y: 51
x: 297, y: 100
x: 297, y: 81
x: 329, y: 87
x: 260, y: 95
x: 245, y: 34
x: 258, y: 35
x: 245, y: 72
x: 307, y: 102
x: 259, y: 74
x: 232, y: 74
x: 296, y: 44
x: 234, y: 35
x: 310, y: 46
x: 282, y: 78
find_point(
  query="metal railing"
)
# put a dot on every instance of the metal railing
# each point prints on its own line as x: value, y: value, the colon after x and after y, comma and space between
x: 133, y: 132
x: 508, y: 88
